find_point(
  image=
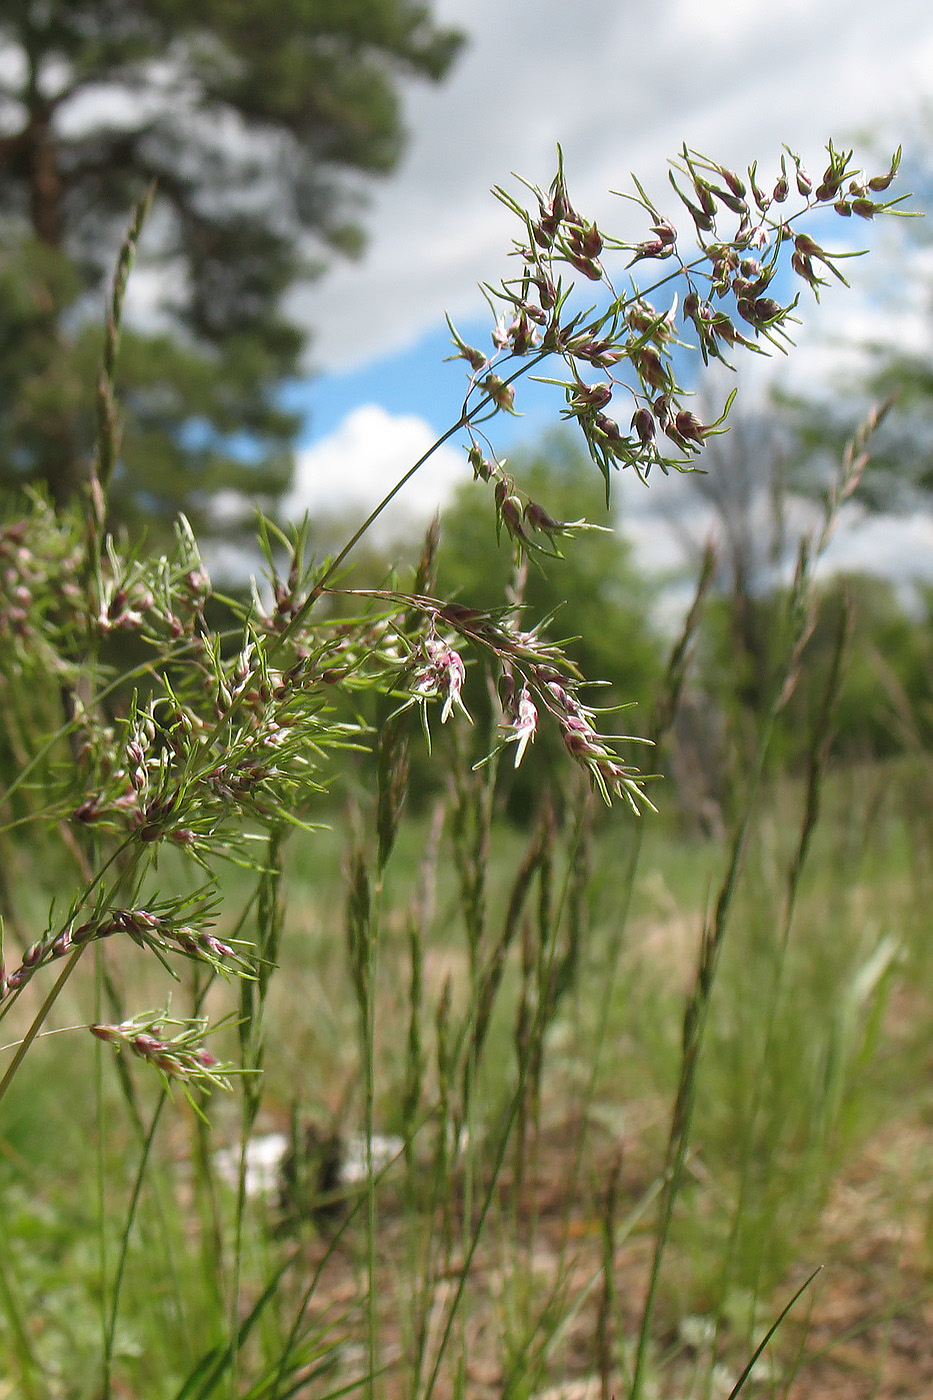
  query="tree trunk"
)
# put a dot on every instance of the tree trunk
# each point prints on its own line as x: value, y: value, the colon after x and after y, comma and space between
x: 59, y: 464
x: 45, y: 192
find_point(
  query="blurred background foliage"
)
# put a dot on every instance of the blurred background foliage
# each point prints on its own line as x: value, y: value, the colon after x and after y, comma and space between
x: 259, y: 125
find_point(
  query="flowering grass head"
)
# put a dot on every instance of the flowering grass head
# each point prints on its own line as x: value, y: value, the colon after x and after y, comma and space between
x: 180, y: 1058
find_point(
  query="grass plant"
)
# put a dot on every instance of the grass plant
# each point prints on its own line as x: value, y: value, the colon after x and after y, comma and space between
x: 523, y: 1151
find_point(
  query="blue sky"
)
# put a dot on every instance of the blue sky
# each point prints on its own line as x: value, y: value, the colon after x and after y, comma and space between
x: 621, y: 85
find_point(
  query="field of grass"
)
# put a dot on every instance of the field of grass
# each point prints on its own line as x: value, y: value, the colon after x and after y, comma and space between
x: 517, y: 1044
x: 595, y: 1107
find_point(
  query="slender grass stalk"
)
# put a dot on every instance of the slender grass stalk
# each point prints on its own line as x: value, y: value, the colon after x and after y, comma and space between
x: 661, y: 721
x: 108, y: 434
x: 800, y: 616
x: 420, y: 1254
x: 147, y: 1135
x: 38, y: 1021
x: 817, y: 756
x: 463, y: 1274
x: 694, y: 1025
x: 608, y: 1302
x: 100, y: 1162
x: 369, y: 1129
x: 760, y: 1348
x: 252, y: 1033
x: 361, y: 941
x: 116, y: 1284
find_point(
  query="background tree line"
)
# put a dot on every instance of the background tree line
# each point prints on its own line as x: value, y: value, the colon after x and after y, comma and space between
x: 250, y: 120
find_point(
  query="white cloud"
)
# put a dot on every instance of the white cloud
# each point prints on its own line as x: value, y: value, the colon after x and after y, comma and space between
x: 892, y: 547
x: 347, y: 473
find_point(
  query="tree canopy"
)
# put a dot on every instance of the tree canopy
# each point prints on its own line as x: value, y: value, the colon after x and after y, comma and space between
x: 256, y: 122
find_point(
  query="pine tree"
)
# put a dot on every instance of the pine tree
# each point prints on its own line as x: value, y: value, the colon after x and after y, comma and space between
x: 254, y: 120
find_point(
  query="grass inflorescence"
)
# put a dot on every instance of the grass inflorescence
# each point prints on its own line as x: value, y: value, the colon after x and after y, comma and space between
x: 457, y: 1117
